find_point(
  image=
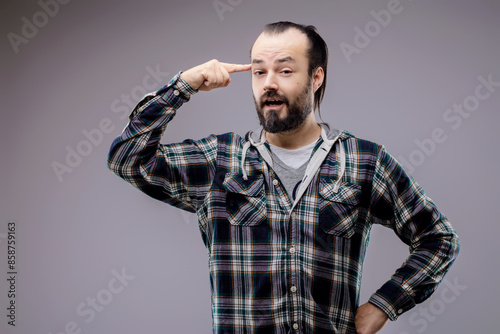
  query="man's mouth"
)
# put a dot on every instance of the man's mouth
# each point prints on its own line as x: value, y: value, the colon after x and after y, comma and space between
x: 273, y: 103
x: 272, y: 100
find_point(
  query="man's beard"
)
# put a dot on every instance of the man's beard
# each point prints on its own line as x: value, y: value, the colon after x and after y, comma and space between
x: 297, y: 111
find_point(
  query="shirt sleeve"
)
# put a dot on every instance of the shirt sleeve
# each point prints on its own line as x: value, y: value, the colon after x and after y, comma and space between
x: 179, y: 174
x: 398, y: 202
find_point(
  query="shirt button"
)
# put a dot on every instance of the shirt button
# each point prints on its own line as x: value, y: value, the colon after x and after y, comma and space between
x: 293, y: 289
x: 293, y: 214
x: 176, y: 92
x: 275, y: 182
x: 295, y: 326
x: 292, y: 250
x: 400, y: 311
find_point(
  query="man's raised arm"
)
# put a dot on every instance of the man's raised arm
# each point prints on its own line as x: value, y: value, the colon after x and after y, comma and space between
x: 179, y: 174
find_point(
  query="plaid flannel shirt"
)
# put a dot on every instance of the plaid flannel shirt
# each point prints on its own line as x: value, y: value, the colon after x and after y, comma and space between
x: 276, y: 267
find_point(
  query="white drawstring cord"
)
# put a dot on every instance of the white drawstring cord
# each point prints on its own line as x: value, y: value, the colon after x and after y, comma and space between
x: 342, y: 167
x: 244, y: 154
x: 260, y: 147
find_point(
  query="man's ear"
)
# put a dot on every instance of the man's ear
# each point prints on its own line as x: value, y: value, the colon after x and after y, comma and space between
x: 318, y: 77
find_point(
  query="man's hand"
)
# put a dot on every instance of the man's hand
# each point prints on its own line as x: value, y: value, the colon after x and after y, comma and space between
x: 369, y: 319
x: 212, y: 74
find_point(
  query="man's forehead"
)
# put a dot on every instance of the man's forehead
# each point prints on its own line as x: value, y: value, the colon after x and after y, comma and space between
x: 282, y: 47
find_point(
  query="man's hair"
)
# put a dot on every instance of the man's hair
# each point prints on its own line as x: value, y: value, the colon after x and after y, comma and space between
x: 317, y: 53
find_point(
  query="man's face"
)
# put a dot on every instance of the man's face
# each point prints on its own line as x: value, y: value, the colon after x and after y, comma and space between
x: 282, y: 87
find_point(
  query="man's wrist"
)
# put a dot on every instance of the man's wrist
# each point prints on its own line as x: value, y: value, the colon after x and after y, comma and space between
x: 184, y: 87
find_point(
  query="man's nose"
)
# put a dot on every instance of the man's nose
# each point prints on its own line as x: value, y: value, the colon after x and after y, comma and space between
x: 271, y: 82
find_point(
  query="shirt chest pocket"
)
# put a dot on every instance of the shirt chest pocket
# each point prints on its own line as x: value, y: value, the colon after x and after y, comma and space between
x: 246, y: 203
x: 338, y: 210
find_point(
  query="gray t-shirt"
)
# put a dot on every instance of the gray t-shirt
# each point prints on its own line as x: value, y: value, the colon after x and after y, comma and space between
x: 290, y: 165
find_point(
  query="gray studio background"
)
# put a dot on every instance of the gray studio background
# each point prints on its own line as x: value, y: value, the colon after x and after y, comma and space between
x: 94, y: 255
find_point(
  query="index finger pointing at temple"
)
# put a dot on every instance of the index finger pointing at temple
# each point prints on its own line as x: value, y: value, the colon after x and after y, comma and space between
x: 232, y: 68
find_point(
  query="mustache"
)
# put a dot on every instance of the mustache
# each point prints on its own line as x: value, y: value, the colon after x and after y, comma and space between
x: 270, y: 95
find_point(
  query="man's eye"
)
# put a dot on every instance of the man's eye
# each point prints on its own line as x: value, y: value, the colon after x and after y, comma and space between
x: 258, y: 72
x: 286, y: 72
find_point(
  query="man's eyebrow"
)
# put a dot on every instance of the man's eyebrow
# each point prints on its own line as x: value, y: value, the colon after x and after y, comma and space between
x: 287, y: 59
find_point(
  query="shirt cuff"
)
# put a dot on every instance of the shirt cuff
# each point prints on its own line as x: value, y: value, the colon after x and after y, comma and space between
x: 184, y: 87
x: 175, y: 93
x: 180, y: 87
x: 392, y: 299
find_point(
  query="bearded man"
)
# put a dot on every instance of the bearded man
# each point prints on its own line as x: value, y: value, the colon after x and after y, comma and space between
x: 286, y: 211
